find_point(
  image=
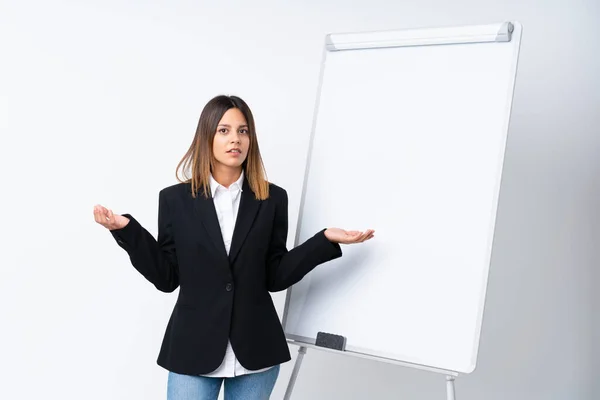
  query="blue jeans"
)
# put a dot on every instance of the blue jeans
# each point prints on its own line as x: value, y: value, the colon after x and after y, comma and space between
x: 257, y: 386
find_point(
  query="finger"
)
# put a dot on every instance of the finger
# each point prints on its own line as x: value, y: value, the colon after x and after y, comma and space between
x: 104, y: 218
x: 96, y: 215
x: 366, y: 235
x: 99, y: 215
x: 101, y: 219
x: 109, y: 218
x: 354, y: 237
x: 362, y: 237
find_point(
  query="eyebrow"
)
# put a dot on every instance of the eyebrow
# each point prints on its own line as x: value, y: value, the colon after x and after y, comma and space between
x: 229, y: 126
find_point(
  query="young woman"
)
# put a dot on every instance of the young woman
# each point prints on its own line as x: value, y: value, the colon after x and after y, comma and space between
x: 222, y: 240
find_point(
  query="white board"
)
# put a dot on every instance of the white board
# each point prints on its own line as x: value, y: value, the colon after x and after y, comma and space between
x: 408, y: 139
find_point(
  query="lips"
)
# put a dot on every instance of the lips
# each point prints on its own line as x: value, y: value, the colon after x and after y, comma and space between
x: 235, y: 151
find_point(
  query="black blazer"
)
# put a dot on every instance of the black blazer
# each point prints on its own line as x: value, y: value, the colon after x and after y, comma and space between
x: 222, y: 297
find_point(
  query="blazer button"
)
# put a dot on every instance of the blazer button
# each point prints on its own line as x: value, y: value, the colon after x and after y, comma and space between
x: 229, y: 287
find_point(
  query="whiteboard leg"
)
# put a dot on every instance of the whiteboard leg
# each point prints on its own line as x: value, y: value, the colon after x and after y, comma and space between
x: 290, y: 387
x: 450, y: 388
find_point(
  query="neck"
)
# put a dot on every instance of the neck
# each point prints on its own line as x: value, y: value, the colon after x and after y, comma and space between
x: 226, y: 176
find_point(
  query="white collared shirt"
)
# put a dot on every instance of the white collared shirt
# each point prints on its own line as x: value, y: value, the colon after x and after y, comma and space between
x: 227, y: 203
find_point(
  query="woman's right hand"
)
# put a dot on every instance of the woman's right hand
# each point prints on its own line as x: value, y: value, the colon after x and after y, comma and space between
x: 107, y: 219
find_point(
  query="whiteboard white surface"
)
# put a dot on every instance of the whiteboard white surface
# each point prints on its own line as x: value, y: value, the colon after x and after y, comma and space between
x: 408, y: 141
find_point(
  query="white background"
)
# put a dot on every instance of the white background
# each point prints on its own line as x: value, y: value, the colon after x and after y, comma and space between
x: 99, y: 101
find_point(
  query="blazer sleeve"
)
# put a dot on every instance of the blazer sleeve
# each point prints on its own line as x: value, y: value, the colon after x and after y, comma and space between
x: 285, y: 268
x: 155, y: 259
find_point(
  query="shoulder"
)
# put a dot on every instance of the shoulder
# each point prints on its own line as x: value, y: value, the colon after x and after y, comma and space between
x: 276, y: 192
x: 174, y: 190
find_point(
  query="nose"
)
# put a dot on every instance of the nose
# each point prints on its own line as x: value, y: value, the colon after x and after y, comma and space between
x: 235, y: 138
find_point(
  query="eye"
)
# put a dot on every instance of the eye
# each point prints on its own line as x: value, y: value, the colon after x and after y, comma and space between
x: 222, y: 130
x: 244, y: 130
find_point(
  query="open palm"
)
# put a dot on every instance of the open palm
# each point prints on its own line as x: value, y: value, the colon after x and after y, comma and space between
x: 338, y: 235
x: 105, y: 217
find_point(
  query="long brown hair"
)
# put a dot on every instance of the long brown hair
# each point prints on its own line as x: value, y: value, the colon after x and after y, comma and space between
x: 200, y: 159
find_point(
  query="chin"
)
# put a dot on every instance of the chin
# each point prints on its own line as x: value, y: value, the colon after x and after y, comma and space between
x: 231, y: 164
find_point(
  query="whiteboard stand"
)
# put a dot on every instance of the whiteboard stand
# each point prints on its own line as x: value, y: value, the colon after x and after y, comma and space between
x: 451, y: 89
x: 450, y: 388
x: 450, y: 375
x: 292, y: 382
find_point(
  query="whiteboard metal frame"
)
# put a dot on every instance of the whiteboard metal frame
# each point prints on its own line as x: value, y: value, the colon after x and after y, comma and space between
x: 504, y: 32
x: 420, y: 37
x: 300, y: 342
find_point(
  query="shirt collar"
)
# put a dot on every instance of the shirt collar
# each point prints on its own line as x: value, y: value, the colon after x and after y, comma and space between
x: 237, y: 185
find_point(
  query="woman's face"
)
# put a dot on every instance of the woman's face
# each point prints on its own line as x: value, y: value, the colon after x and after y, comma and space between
x: 232, y: 140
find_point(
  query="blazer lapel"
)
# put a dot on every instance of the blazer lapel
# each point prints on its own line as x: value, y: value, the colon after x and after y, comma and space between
x: 206, y: 214
x: 249, y: 206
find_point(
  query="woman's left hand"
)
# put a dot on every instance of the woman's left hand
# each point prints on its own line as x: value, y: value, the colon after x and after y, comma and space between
x: 337, y: 235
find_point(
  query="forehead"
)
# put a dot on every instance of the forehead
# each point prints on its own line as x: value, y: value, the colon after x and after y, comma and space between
x: 233, y: 116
